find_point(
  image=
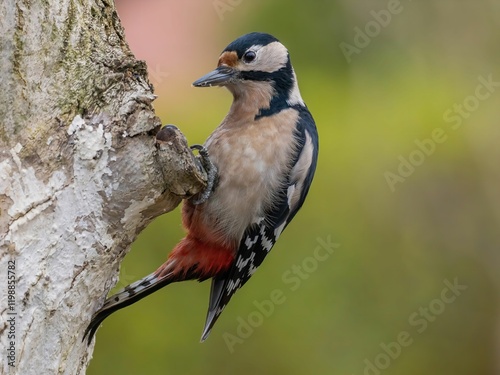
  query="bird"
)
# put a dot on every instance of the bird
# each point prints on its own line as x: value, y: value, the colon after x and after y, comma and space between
x: 265, y: 153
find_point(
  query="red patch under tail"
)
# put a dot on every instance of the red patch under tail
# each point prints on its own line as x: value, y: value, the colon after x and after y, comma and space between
x: 193, y: 258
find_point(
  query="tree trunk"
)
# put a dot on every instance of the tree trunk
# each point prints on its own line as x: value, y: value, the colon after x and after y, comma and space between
x: 81, y: 174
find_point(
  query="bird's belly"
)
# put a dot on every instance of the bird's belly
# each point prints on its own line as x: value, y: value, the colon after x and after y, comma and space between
x: 243, y: 191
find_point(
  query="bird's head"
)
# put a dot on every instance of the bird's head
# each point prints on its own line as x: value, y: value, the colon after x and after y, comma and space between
x: 254, y: 62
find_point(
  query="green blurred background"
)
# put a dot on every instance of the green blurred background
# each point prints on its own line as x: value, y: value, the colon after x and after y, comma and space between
x: 404, y: 232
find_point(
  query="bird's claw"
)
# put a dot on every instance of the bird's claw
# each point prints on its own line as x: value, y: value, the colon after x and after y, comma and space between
x: 205, y: 164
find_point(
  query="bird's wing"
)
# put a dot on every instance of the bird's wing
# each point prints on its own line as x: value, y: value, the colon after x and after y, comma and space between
x: 261, y: 235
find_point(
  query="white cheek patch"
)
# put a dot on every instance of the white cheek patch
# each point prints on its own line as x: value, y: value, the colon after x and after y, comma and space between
x: 270, y: 58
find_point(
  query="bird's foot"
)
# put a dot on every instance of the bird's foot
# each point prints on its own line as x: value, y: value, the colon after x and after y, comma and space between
x: 205, y: 164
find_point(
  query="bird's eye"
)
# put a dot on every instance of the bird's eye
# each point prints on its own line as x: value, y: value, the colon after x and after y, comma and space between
x: 249, y: 56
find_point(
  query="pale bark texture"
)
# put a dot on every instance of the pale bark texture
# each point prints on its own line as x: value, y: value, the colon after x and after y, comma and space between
x: 81, y: 174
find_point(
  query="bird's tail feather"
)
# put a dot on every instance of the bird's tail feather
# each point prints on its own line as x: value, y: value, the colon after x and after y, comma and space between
x: 127, y: 296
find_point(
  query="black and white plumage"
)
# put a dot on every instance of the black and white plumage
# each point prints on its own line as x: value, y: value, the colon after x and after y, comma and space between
x: 261, y: 235
x: 265, y: 151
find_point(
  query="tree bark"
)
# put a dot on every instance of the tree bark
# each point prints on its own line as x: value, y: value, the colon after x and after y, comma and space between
x: 81, y: 174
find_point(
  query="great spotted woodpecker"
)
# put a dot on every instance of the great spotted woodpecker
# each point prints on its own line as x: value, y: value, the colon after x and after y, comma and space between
x: 265, y: 153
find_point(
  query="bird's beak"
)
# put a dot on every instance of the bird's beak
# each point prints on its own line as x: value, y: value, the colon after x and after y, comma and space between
x: 221, y: 76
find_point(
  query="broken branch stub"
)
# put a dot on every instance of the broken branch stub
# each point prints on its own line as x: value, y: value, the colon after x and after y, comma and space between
x: 180, y: 169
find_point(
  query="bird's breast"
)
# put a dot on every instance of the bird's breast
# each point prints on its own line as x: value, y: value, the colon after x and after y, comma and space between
x: 253, y: 160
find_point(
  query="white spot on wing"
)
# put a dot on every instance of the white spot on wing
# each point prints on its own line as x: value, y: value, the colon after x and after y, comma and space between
x: 242, y: 263
x: 249, y: 243
x: 300, y: 170
x: 266, y: 243
x: 233, y: 285
x: 279, y: 229
x: 252, y: 270
x: 294, y: 96
x: 290, y: 192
